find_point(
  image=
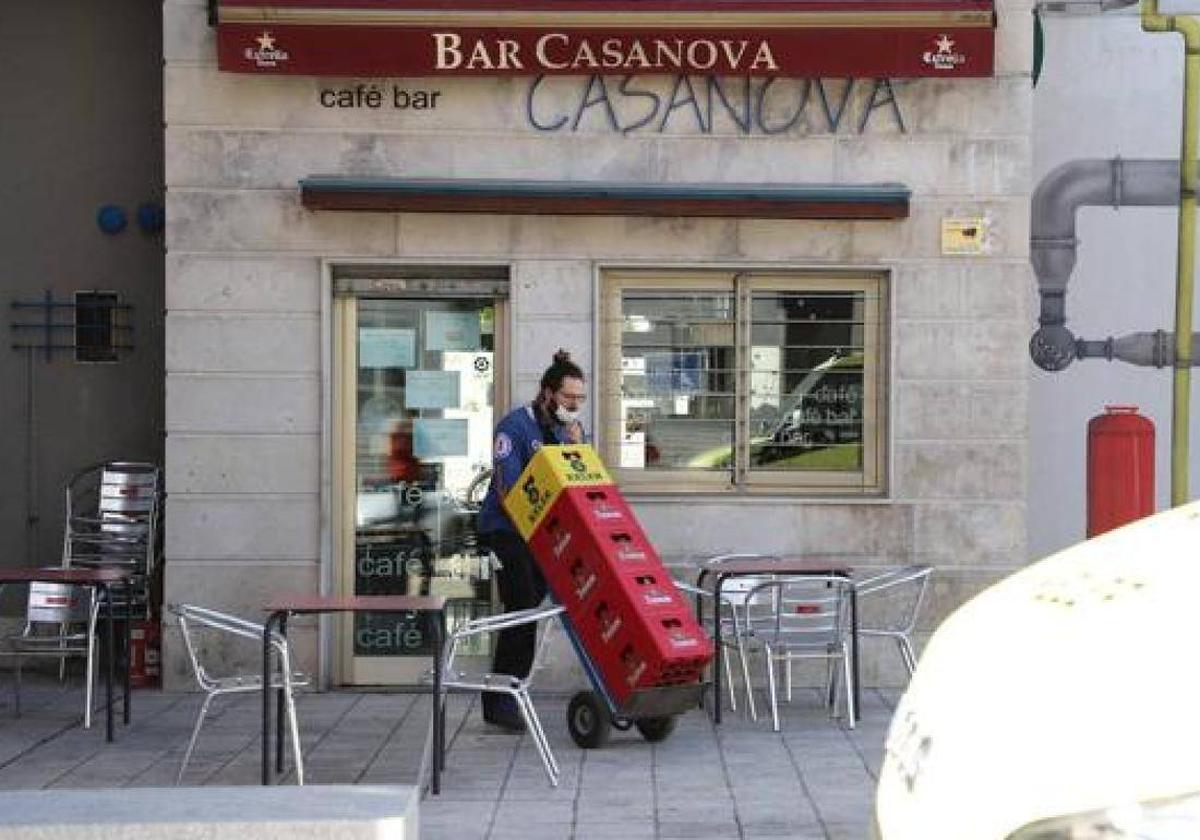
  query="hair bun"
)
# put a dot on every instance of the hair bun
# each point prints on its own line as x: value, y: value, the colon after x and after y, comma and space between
x: 561, y: 356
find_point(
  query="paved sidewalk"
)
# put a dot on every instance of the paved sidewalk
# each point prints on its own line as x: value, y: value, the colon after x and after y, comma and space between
x: 813, y: 780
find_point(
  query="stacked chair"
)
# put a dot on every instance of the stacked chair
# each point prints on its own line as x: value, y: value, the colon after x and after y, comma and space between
x: 113, y: 519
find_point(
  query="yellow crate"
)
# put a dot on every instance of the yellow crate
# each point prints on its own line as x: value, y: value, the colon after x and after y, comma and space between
x: 551, y: 470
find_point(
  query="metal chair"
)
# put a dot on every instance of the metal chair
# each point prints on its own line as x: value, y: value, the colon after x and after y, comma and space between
x: 60, y: 621
x: 802, y: 617
x: 731, y: 637
x: 113, y: 519
x: 516, y: 688
x: 733, y: 598
x: 904, y: 588
x: 190, y: 618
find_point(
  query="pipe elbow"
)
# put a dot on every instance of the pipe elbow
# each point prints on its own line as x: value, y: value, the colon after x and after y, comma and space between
x: 1052, y: 348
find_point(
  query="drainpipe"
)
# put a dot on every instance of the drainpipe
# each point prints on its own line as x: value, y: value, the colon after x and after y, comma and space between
x: 1052, y: 244
x: 1189, y: 28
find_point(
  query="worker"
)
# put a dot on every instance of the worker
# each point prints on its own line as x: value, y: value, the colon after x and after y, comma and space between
x: 551, y: 418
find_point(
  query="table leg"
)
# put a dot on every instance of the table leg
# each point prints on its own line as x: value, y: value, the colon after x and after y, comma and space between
x: 110, y: 646
x: 700, y: 615
x: 854, y: 652
x: 279, y: 709
x: 266, y: 697
x: 719, y: 654
x: 128, y: 646
x: 439, y: 712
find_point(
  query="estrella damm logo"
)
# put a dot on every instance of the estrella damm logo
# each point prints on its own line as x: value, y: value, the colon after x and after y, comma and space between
x: 578, y: 470
x: 537, y: 499
x: 531, y: 490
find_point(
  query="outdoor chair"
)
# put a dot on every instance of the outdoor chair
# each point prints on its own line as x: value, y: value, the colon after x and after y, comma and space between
x: 60, y: 621
x: 733, y: 599
x: 193, y: 619
x: 113, y: 513
x: 802, y: 617
x: 516, y: 688
x: 888, y: 606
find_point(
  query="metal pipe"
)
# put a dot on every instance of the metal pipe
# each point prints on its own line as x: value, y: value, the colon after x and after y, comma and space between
x: 32, y: 514
x: 1075, y: 184
x: 1148, y: 349
x: 1181, y: 389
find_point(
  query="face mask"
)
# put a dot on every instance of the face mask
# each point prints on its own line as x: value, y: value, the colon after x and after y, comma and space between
x: 565, y: 416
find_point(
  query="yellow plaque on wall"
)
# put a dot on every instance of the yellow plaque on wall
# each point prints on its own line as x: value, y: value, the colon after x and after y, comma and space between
x: 963, y: 236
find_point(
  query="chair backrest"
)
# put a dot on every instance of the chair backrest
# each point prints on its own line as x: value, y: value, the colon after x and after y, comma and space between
x: 716, y: 560
x: 192, y: 617
x: 800, y: 610
x: 891, y: 600
x: 58, y: 603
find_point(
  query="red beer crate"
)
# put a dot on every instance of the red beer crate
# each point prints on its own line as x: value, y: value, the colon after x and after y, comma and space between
x: 596, y: 517
x: 661, y: 625
x: 648, y: 590
x: 640, y: 634
x: 572, y: 576
x: 637, y: 651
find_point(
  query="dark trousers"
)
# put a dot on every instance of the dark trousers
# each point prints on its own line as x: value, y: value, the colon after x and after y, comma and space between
x: 521, y: 587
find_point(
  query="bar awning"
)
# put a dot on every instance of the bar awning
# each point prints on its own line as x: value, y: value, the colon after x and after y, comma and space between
x: 761, y: 201
x: 766, y: 38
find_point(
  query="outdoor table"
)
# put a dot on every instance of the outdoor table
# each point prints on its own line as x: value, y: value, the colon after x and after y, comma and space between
x: 756, y: 566
x: 102, y: 581
x: 281, y: 608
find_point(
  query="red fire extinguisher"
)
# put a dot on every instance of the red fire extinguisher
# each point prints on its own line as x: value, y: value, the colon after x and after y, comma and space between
x: 1120, y: 468
x: 145, y: 654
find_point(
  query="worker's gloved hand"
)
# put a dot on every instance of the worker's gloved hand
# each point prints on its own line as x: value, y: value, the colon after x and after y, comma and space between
x: 575, y: 432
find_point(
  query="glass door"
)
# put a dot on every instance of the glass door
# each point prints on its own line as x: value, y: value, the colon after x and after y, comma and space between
x: 415, y: 408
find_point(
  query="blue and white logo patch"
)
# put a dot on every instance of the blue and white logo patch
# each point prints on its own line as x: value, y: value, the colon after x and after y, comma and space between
x: 502, y: 447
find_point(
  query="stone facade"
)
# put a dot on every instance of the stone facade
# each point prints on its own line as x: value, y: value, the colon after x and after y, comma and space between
x: 246, y: 319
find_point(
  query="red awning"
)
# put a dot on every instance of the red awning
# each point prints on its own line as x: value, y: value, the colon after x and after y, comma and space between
x: 785, y: 38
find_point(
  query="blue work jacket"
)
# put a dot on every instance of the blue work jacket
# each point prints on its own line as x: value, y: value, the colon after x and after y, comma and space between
x: 517, y: 437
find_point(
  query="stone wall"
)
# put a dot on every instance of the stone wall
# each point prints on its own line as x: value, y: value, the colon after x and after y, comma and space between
x: 244, y: 324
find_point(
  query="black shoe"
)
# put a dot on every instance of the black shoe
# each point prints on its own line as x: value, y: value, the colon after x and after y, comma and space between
x: 501, y: 710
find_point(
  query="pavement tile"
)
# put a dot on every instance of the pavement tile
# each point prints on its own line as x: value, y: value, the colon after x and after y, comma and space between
x: 848, y: 831
x: 614, y: 811
x: 530, y: 828
x: 452, y: 830
x: 685, y: 830
x: 616, y: 830
x: 556, y: 811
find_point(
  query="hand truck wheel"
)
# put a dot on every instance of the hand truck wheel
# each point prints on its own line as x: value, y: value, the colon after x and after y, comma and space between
x: 588, y: 720
x: 655, y: 729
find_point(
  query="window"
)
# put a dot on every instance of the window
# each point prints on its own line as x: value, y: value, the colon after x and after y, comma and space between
x: 96, y: 327
x: 713, y: 381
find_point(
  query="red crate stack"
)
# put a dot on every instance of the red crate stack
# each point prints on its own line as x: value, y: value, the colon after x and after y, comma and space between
x: 632, y: 621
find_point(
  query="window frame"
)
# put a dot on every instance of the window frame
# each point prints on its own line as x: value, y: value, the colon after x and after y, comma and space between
x: 87, y: 350
x: 742, y: 284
